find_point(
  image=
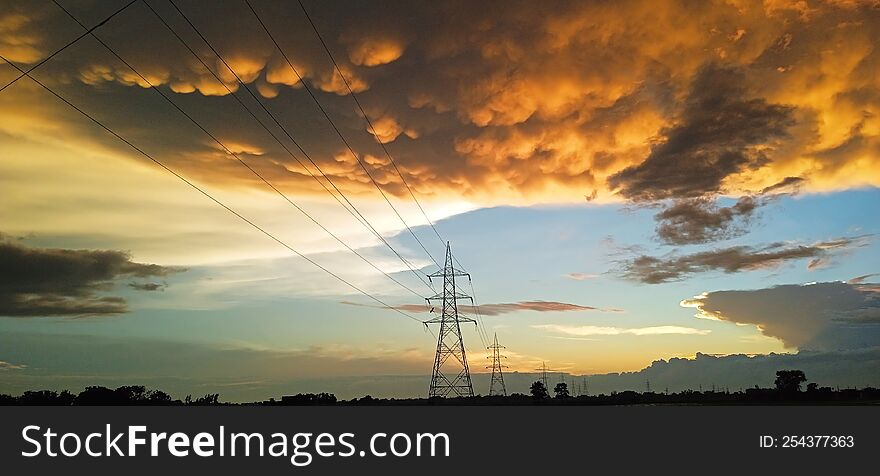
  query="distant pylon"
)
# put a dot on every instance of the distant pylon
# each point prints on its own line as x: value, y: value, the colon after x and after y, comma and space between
x: 543, y: 368
x: 497, y: 374
x: 449, y: 341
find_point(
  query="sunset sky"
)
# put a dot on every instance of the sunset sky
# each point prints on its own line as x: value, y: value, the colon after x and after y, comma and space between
x: 626, y: 181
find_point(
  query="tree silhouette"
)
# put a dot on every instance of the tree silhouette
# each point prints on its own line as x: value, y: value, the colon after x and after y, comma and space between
x: 209, y: 399
x: 789, y: 381
x: 539, y: 391
x: 561, y: 390
x: 46, y: 397
x: 158, y: 397
x: 97, y: 395
x: 322, y: 398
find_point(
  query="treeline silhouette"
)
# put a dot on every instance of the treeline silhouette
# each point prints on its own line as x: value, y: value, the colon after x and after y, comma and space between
x: 788, y: 389
x: 125, y: 395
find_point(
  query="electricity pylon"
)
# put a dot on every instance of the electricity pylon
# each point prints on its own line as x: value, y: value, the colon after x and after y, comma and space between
x: 497, y: 375
x: 543, y: 368
x: 449, y: 341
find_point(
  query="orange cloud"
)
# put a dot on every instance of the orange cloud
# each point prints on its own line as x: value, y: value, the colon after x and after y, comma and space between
x: 375, y: 51
x: 19, y: 40
x: 519, y: 105
x: 386, y: 129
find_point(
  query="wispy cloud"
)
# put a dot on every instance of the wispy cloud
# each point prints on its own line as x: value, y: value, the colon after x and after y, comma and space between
x: 10, y: 366
x: 580, y: 276
x: 503, y: 308
x: 616, y: 331
x: 861, y: 279
x: 673, y: 267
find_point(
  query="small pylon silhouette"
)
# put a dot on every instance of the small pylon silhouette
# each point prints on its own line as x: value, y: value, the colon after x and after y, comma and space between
x: 449, y: 341
x: 543, y: 368
x: 496, y: 385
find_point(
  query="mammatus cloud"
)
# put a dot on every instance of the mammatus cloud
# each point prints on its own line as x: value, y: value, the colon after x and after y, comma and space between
x: 493, y: 102
x: 674, y: 267
x: 62, y: 282
x: 583, y: 331
x: 19, y: 40
x: 819, y: 316
x: 373, y: 51
x: 504, y: 308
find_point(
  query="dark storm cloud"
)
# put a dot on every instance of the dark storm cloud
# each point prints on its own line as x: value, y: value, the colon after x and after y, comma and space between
x: 494, y: 101
x: 148, y: 286
x: 62, y: 282
x: 674, y: 267
x: 700, y: 220
x: 786, y: 184
x: 818, y: 316
x: 721, y: 132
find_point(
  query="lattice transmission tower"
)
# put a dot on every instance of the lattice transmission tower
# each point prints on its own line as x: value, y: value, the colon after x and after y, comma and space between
x: 543, y: 368
x: 496, y: 385
x: 450, y: 359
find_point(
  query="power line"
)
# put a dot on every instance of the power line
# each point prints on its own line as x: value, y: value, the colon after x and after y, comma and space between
x: 369, y: 122
x: 367, y: 118
x: 372, y: 129
x: 221, y: 144
x: 338, y: 132
x: 353, y: 211
x: 482, y: 327
x: 206, y: 194
x: 87, y: 32
x: 336, y: 237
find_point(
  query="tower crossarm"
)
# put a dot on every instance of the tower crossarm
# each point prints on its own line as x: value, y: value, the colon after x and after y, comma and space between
x: 456, y: 295
x: 439, y: 319
x: 449, y: 272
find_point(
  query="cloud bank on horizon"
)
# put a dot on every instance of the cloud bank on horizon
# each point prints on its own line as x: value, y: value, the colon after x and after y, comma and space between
x: 815, y: 316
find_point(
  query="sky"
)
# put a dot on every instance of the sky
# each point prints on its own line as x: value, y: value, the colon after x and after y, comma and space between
x: 633, y: 186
